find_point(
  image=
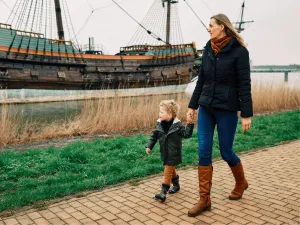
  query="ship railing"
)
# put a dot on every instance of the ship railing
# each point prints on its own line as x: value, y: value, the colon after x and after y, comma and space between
x: 154, y: 47
x: 56, y: 41
x: 29, y: 34
x: 5, y: 26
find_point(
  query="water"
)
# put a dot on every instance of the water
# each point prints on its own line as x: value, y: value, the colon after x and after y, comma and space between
x: 45, y: 112
x: 55, y: 111
x: 276, y: 79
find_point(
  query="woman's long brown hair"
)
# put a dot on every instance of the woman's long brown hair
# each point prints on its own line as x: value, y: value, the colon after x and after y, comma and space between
x: 230, y: 31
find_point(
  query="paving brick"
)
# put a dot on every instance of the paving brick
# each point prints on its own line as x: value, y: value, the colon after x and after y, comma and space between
x: 34, y: 215
x: 135, y: 222
x: 78, y: 215
x: 11, y: 221
x: 238, y: 219
x: 113, y: 210
x: 173, y: 211
x: 140, y: 217
x: 119, y: 222
x: 128, y: 210
x: 88, y: 221
x: 84, y: 209
x: 142, y: 210
x: 94, y: 216
x: 158, y: 211
x: 63, y: 215
x: 75, y: 204
x: 42, y: 221
x: 269, y: 214
x: 156, y: 217
x: 98, y: 209
x: 109, y: 216
x: 25, y: 221
x: 56, y: 221
x: 62, y: 206
x: 172, y: 218
x: 206, y: 219
x: 221, y: 219
x: 270, y: 220
x: 236, y: 213
x: 151, y: 222
x: 70, y: 209
x: 184, y: 223
x: 254, y: 219
x: 55, y: 209
x: 72, y: 221
x: 104, y: 222
x: 125, y: 217
x: 47, y: 214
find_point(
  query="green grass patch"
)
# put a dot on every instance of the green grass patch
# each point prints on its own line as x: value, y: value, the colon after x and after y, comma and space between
x: 41, y: 174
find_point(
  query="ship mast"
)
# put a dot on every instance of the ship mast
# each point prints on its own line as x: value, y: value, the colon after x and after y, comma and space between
x: 60, y: 29
x: 168, y: 26
x: 239, y: 24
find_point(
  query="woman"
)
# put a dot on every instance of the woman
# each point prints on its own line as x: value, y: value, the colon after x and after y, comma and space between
x: 223, y: 88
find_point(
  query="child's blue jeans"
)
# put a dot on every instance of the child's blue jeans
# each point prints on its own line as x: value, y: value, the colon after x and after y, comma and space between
x: 226, y: 122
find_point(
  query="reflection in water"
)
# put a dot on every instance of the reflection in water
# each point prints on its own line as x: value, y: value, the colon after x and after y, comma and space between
x: 45, y: 112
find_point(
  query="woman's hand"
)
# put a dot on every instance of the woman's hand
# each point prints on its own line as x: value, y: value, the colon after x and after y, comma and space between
x: 246, y: 124
x: 191, y: 114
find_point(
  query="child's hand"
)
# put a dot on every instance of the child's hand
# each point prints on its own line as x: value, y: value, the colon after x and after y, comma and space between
x: 189, y: 119
x: 148, y: 151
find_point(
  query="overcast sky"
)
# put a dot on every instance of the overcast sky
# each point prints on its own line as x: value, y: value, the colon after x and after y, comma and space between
x: 274, y: 37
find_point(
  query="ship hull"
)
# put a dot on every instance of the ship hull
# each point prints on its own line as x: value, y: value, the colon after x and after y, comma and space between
x: 20, y: 71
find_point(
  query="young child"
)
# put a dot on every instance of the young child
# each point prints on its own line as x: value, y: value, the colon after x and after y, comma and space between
x: 169, y: 131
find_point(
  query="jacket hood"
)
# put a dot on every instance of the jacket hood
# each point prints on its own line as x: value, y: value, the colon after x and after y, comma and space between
x: 176, y: 120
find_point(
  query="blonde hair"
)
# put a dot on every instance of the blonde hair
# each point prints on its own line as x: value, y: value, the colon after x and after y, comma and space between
x: 170, y: 106
x: 230, y: 31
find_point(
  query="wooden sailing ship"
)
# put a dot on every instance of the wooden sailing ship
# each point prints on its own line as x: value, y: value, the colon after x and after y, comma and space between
x: 29, y: 59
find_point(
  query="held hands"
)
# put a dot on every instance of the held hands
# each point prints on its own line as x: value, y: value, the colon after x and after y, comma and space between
x: 190, y: 116
x: 246, y: 124
x: 148, y: 151
x: 189, y: 119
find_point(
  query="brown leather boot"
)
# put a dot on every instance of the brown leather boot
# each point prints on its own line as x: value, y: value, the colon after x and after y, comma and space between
x: 240, y: 182
x: 205, y: 182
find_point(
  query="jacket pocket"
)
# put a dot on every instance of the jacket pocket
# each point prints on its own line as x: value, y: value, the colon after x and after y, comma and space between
x: 221, y: 94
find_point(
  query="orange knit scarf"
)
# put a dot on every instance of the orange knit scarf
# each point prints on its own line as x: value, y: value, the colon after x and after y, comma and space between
x: 217, y: 45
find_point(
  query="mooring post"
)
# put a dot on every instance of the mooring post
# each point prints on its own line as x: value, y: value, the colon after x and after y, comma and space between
x: 286, y: 76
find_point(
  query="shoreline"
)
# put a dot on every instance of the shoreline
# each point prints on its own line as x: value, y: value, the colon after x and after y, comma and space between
x: 23, y: 96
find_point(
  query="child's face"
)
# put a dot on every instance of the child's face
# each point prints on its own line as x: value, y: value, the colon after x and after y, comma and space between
x: 164, y: 115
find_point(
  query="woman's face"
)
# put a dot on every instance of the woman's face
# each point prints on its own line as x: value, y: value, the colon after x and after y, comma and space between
x: 216, y: 31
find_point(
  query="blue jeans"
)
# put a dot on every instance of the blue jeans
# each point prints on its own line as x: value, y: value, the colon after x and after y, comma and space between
x: 226, y: 122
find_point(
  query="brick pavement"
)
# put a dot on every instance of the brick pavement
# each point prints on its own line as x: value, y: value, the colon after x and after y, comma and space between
x: 273, y: 197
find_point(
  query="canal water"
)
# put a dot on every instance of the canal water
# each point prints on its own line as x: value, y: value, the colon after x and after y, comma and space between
x: 55, y: 111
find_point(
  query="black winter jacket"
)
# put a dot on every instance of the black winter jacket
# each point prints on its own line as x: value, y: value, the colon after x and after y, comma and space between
x: 170, y: 143
x: 224, y: 80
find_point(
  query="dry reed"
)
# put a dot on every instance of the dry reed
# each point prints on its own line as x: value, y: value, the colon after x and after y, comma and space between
x: 121, y: 114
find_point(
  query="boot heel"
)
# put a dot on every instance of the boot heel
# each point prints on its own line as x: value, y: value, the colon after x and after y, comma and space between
x: 247, y: 187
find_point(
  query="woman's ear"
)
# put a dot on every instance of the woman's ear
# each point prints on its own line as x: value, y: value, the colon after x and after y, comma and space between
x: 222, y: 27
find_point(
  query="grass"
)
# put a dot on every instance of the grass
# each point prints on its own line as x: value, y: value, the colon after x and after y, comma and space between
x: 40, y: 174
x: 121, y: 114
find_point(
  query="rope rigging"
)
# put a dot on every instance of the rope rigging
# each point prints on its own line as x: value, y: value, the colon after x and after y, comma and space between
x: 148, y: 31
x: 195, y: 14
